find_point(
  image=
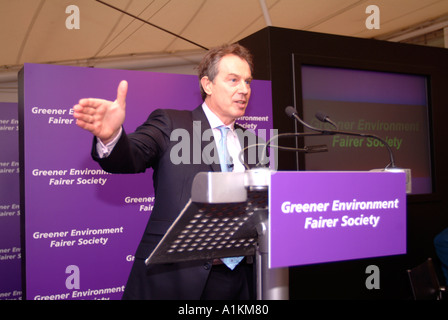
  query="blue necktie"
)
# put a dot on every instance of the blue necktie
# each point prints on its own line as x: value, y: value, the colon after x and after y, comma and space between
x: 226, y: 166
x: 224, y: 156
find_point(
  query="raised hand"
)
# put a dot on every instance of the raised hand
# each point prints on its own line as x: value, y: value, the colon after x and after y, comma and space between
x: 102, y: 118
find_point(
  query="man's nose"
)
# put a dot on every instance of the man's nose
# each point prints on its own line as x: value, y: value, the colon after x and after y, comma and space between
x: 244, y: 87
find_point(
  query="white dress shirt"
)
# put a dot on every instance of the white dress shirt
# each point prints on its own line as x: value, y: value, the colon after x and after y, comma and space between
x: 233, y: 143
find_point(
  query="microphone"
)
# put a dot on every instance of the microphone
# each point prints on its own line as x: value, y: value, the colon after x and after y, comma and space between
x: 230, y: 165
x: 322, y: 117
x: 292, y: 112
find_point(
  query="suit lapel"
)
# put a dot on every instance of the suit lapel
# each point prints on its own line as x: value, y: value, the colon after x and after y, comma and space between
x: 202, y: 129
x: 209, y: 150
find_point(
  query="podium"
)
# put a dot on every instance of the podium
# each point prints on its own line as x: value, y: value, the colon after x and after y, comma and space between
x: 288, y: 219
x: 226, y: 216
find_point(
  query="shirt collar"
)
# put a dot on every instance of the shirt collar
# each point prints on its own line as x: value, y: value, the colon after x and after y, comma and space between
x: 213, y: 118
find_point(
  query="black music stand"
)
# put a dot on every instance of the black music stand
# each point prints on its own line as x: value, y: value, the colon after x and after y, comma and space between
x: 226, y: 216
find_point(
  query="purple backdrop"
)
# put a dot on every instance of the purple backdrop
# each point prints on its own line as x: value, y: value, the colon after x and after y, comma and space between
x: 10, y: 255
x: 81, y: 228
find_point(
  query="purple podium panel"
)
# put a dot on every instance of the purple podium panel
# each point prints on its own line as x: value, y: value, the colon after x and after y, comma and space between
x: 318, y: 217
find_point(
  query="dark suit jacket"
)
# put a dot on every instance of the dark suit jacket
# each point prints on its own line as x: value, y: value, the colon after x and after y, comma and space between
x: 150, y: 146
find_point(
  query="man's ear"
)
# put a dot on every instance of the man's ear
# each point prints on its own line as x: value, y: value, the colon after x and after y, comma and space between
x: 206, y: 85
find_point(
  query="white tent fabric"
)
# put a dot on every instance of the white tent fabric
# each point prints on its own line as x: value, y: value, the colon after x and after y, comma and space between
x: 114, y: 33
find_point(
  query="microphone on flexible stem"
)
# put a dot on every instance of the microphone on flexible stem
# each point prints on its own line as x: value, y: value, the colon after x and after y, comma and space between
x: 230, y: 165
x: 305, y: 149
x: 292, y: 112
x: 324, y: 118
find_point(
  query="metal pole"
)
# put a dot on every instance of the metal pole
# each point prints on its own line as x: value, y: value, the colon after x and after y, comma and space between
x: 272, y: 283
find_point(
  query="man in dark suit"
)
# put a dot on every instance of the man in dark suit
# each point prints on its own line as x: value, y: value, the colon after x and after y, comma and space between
x: 225, y: 74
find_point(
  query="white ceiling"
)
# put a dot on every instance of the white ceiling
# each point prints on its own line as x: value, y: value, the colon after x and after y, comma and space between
x: 34, y: 31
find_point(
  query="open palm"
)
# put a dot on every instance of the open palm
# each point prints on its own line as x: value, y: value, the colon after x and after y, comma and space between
x: 101, y: 117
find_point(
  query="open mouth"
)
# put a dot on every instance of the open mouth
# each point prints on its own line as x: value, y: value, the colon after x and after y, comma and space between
x: 241, y: 103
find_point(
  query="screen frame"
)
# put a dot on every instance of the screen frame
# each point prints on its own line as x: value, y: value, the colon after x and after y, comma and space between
x: 300, y: 60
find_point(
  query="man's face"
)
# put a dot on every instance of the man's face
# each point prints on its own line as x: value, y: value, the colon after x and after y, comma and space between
x: 229, y: 93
